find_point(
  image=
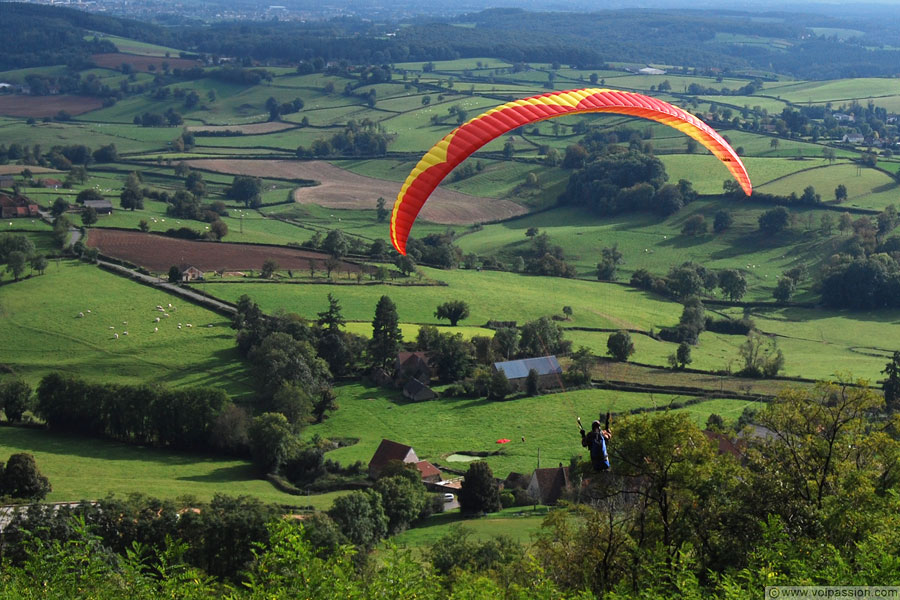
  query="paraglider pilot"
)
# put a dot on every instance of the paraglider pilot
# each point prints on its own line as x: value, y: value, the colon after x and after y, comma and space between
x: 596, y: 442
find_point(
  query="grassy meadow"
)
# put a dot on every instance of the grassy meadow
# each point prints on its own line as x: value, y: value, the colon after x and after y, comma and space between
x: 42, y: 313
x: 82, y: 468
x: 439, y: 428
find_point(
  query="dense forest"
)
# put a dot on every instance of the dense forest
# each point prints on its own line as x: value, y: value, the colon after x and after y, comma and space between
x: 709, y: 39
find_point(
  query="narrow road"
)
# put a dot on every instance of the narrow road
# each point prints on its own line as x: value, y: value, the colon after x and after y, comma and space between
x: 157, y: 282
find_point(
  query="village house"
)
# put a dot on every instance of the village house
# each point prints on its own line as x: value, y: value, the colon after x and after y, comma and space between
x: 18, y: 207
x: 7, y: 181
x: 516, y: 371
x: 191, y: 274
x: 417, y: 391
x: 53, y: 184
x: 548, y: 485
x: 103, y: 207
x: 412, y: 365
x: 388, y: 451
x: 429, y: 472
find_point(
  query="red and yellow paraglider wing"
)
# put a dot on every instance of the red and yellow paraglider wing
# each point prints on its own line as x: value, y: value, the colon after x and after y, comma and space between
x: 465, y: 139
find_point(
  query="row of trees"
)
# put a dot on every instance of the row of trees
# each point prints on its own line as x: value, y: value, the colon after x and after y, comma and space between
x: 185, y: 419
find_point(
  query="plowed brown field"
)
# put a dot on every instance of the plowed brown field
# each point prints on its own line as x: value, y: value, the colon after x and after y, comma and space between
x: 46, y: 106
x: 157, y: 253
x: 140, y: 63
x: 339, y: 188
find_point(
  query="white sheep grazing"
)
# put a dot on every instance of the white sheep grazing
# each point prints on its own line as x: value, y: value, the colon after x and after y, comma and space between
x: 158, y: 307
x: 155, y: 329
x: 189, y: 325
x: 166, y: 315
x: 124, y: 322
x: 124, y: 333
x: 111, y: 327
x: 80, y: 315
x: 115, y: 336
x: 156, y: 320
x: 89, y: 311
x: 170, y: 305
x: 179, y: 327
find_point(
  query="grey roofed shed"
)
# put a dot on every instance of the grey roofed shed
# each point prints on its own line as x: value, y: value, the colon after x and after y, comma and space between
x: 518, y: 369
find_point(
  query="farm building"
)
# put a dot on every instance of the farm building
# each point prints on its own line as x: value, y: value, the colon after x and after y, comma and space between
x: 516, y: 371
x: 429, y: 472
x: 191, y: 274
x: 412, y: 365
x: 7, y: 181
x: 388, y: 451
x: 417, y: 391
x: 53, y: 184
x: 651, y: 71
x: 103, y: 207
x: 20, y: 206
x: 547, y: 485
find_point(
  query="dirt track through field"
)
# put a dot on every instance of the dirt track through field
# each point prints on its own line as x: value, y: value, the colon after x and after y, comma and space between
x: 340, y: 188
x: 157, y: 253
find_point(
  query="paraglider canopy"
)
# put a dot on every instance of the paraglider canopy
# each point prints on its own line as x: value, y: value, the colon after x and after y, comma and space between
x: 503, y: 441
x: 456, y: 146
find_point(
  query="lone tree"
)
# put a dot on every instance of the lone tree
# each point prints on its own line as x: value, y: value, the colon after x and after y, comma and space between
x: 682, y: 357
x: 381, y: 212
x: 89, y: 215
x: 454, y: 311
x: 174, y: 274
x: 15, y: 264
x: 620, y: 346
x: 891, y: 385
x: 774, y: 221
x: 21, y: 478
x: 14, y: 397
x: 386, y: 336
x: 733, y: 284
x: 269, y: 267
x: 480, y: 492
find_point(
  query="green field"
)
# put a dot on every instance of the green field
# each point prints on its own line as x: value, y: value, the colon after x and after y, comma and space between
x: 520, y: 523
x: 866, y: 188
x: 657, y: 244
x: 491, y: 295
x: 42, y: 313
x: 438, y: 428
x: 88, y: 469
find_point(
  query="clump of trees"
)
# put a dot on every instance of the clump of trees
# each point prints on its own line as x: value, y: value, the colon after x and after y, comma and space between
x: 17, y: 252
x: 20, y: 479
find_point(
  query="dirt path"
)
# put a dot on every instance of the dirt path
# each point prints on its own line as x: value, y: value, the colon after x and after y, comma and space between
x: 339, y: 188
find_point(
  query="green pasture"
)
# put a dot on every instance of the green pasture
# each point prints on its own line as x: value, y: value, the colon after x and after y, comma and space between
x: 707, y: 174
x: 822, y: 343
x: 758, y: 145
x: 491, y: 295
x: 754, y: 103
x: 126, y: 137
x: 42, y: 314
x: 129, y: 46
x: 460, y: 64
x: 361, y: 223
x: 866, y: 188
x: 834, y: 91
x: 657, y: 244
x: 81, y: 468
x: 19, y: 75
x: 438, y: 428
x: 519, y: 523
x: 740, y: 39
